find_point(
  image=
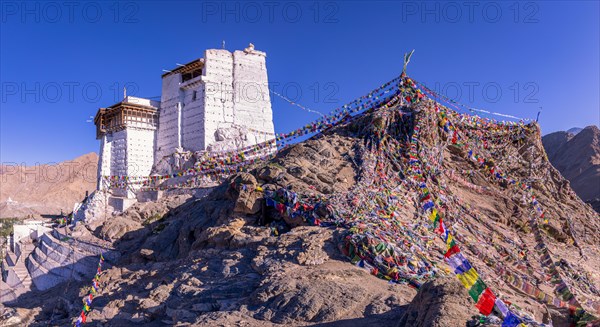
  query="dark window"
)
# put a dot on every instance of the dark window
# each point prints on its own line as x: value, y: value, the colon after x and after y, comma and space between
x: 193, y: 74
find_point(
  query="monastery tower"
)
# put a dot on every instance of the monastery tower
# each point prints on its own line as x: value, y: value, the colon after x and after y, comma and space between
x: 216, y: 103
x: 219, y: 102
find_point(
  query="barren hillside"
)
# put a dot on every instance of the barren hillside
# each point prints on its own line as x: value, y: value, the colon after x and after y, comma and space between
x: 352, y: 228
x: 46, y: 189
x: 577, y: 157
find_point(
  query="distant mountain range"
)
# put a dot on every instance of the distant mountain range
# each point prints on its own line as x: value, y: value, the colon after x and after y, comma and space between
x: 576, y: 154
x: 574, y: 130
x: 46, y: 189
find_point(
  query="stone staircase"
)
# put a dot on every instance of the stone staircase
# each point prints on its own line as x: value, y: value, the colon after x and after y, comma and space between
x: 54, y: 259
x: 18, y: 267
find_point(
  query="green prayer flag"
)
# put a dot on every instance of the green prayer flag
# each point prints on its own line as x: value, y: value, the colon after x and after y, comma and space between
x: 477, y: 289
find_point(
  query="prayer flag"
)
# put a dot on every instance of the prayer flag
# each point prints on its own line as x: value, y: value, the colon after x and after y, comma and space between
x: 440, y: 228
x: 502, y: 307
x: 469, y: 278
x: 486, y: 302
x: 477, y: 289
x: 511, y: 320
x: 456, y: 260
x: 450, y: 241
x: 433, y: 216
x: 452, y: 251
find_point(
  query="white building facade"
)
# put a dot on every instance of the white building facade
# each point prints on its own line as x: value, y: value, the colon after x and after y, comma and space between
x: 216, y: 103
x: 221, y: 97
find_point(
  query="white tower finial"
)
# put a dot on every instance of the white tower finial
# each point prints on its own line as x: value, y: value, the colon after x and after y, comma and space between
x: 124, y: 93
x: 250, y: 48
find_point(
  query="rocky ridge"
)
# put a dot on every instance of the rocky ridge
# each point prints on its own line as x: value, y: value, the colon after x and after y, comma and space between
x: 577, y: 157
x: 212, y: 261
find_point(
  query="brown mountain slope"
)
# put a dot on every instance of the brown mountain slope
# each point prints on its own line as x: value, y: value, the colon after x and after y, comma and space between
x: 46, y: 189
x: 577, y: 157
x: 209, y: 261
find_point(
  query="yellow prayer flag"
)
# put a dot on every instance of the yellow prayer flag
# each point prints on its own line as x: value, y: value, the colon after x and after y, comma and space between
x: 433, y: 214
x: 449, y: 241
x: 469, y: 278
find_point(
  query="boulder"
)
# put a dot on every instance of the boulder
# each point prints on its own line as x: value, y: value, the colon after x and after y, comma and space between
x: 116, y: 227
x: 439, y: 303
x: 248, y: 197
x: 269, y: 173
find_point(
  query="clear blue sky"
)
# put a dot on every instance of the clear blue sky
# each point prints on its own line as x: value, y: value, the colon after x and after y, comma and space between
x: 60, y: 62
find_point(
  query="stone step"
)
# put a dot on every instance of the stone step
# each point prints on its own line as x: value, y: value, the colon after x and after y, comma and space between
x: 65, y: 254
x: 43, y: 278
x: 24, y: 279
x: 66, y: 269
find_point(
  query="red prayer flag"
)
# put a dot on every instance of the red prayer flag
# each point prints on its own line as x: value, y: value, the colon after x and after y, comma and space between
x: 486, y: 302
x: 453, y: 250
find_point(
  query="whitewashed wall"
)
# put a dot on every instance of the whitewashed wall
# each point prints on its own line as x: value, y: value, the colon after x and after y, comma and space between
x: 169, y: 134
x: 192, y: 119
x: 218, y: 100
x: 142, y: 101
x: 252, y: 102
x: 232, y: 92
x: 104, y: 160
x: 140, y: 151
x: 118, y: 157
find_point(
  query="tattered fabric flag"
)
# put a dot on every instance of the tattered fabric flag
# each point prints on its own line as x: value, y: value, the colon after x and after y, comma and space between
x: 511, y: 320
x: 476, y: 290
x: 440, y: 229
x: 501, y: 306
x: 469, y: 278
x: 433, y: 216
x: 450, y: 241
x: 460, y: 267
x: 457, y: 260
x: 451, y: 251
x: 486, y: 301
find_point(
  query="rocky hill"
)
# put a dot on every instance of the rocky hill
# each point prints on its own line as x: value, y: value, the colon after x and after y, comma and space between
x: 352, y: 228
x: 577, y: 157
x: 46, y: 189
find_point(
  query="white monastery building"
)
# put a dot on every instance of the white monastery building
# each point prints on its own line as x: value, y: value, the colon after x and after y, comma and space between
x: 217, y: 103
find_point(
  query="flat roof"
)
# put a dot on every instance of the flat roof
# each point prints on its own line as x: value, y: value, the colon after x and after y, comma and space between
x: 198, y: 63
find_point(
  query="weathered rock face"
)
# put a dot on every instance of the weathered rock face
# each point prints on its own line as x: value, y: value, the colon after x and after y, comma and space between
x: 130, y: 224
x: 316, y: 166
x: 577, y: 157
x: 243, y: 187
x: 440, y: 303
x: 189, y: 261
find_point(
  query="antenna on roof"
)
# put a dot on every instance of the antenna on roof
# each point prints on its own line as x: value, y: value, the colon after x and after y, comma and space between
x: 538, y: 115
x: 406, y: 61
x: 178, y: 64
x: 124, y: 92
x: 166, y: 71
x: 223, y: 44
